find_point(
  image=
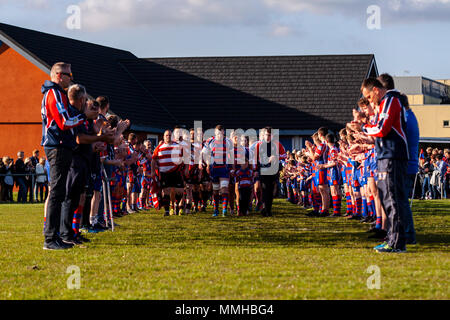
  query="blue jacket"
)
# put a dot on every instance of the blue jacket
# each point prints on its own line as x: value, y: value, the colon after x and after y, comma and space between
x: 412, y: 135
x: 58, y: 118
x: 390, y: 142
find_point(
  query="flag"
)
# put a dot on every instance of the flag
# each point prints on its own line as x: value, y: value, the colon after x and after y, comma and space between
x: 422, y: 156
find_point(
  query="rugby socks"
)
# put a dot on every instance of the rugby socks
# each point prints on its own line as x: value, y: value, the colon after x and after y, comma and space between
x: 304, y: 199
x: 364, y: 207
x: 77, y: 219
x: 115, y: 205
x: 378, y: 223
x: 369, y: 207
x: 359, y: 204
x: 336, y: 205
x: 348, y: 198
x: 165, y: 201
x: 139, y: 204
x: 372, y: 206
x: 316, y: 201
x: 224, y: 202
x: 216, y: 199
x: 155, y: 201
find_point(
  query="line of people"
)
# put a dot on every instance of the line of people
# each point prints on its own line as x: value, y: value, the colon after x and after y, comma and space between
x: 373, y: 164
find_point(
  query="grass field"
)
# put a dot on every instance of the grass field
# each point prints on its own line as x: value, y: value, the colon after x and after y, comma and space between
x: 288, y: 256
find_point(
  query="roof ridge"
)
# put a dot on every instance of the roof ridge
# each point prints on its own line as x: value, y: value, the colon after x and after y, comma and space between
x: 2, y: 25
x: 263, y: 56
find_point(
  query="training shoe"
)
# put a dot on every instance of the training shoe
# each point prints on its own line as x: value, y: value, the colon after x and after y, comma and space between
x: 166, y: 213
x: 366, y: 219
x: 72, y: 242
x: 172, y: 212
x: 324, y: 214
x: 216, y: 213
x: 82, y: 238
x: 336, y: 215
x: 380, y: 245
x: 388, y: 249
x: 53, y: 245
x: 100, y: 226
x: 180, y: 212
x: 64, y: 244
x: 224, y: 213
x: 313, y: 214
x: 92, y: 229
x: 354, y: 217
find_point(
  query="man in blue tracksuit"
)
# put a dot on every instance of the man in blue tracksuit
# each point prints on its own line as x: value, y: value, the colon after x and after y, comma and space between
x: 392, y: 154
x: 58, y: 140
x: 412, y: 136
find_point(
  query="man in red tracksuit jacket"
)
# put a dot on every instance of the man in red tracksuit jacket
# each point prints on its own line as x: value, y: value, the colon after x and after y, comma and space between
x: 58, y: 140
x: 392, y: 159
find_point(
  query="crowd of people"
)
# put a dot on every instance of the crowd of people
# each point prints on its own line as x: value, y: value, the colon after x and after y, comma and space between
x: 94, y: 170
x: 29, y: 175
x: 434, y: 173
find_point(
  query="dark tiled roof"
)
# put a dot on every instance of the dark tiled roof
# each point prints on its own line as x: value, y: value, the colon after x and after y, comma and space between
x: 97, y: 68
x: 286, y: 92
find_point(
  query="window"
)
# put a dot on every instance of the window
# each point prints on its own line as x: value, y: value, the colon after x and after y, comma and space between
x: 154, y: 139
x: 446, y: 123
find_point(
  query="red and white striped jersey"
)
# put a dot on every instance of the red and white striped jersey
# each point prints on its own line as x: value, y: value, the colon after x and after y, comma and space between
x: 168, y: 156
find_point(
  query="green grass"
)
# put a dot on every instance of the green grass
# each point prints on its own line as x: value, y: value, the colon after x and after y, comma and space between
x: 288, y: 256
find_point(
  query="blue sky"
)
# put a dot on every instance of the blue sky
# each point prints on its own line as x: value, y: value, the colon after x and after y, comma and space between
x: 412, y: 39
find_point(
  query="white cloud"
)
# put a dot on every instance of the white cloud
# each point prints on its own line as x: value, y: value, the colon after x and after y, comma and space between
x: 281, y: 31
x: 101, y: 14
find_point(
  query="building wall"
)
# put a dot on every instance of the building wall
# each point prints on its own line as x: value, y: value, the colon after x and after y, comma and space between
x: 20, y: 103
x: 20, y: 137
x: 445, y: 81
x: 430, y: 118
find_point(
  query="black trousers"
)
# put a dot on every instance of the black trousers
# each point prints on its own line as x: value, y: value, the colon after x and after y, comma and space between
x: 268, y: 185
x: 77, y: 180
x: 392, y: 189
x: 244, y: 199
x: 59, y: 160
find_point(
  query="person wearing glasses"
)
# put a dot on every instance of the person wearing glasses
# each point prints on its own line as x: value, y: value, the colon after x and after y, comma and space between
x: 58, y: 140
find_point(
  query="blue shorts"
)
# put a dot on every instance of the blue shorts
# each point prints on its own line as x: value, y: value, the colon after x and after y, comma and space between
x: 322, y: 177
x: 219, y: 173
x: 98, y: 183
x: 356, y: 180
x: 315, y: 178
x: 304, y: 186
x: 343, y: 175
x: 136, y: 186
x: 334, y: 177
